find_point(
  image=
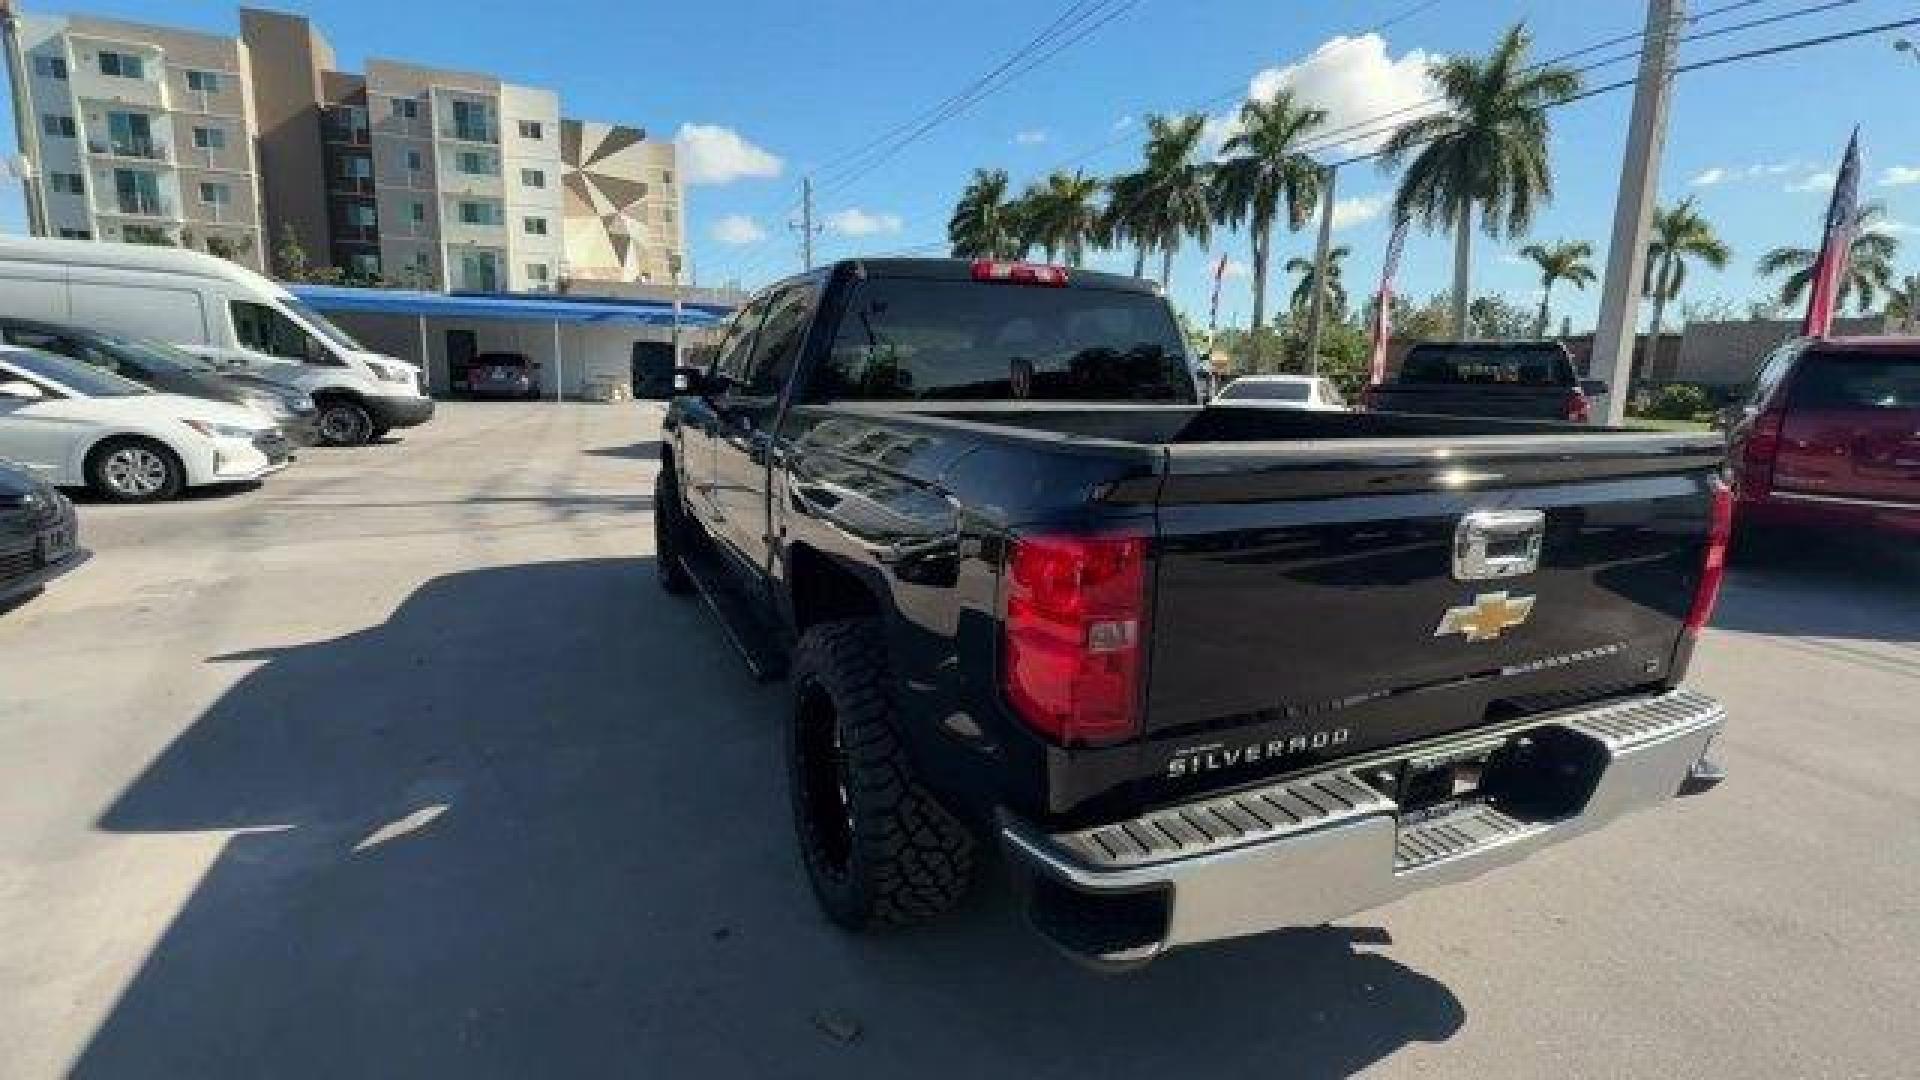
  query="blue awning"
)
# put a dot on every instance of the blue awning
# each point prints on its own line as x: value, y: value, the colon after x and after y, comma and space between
x: 519, y: 306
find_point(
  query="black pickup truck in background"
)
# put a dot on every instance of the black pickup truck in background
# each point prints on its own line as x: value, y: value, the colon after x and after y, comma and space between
x: 1200, y: 671
x: 1528, y: 380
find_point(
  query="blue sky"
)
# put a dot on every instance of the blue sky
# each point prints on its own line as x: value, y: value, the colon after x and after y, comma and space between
x: 769, y: 91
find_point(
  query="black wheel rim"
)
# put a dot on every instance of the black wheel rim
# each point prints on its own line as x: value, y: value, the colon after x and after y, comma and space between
x: 343, y: 424
x: 826, y: 802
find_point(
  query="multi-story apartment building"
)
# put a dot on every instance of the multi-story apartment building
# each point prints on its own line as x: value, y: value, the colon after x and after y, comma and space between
x: 415, y: 175
x: 146, y: 134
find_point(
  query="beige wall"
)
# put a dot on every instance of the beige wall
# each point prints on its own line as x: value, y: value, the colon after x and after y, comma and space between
x: 284, y: 61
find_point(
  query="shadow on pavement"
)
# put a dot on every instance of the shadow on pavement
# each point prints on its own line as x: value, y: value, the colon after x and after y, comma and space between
x: 640, y: 451
x: 1822, y: 584
x: 534, y: 824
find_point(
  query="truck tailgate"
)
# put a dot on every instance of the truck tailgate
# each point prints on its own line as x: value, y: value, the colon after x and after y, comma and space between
x: 1308, y: 606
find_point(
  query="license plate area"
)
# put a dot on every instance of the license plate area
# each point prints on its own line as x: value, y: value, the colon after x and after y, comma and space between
x: 1539, y: 775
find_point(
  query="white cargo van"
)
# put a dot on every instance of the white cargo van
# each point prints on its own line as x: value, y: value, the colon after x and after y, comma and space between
x: 219, y: 310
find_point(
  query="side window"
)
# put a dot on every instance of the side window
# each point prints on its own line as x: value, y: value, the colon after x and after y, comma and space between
x: 778, y: 347
x: 730, y: 362
x: 1770, y: 374
x: 265, y: 330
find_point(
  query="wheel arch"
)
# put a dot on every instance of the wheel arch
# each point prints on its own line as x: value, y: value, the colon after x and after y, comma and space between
x: 822, y: 588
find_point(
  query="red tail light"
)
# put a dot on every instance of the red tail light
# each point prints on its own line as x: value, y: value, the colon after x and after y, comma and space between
x: 1713, y: 568
x: 1022, y: 273
x: 1073, y: 635
x: 1757, y: 456
x: 1578, y: 409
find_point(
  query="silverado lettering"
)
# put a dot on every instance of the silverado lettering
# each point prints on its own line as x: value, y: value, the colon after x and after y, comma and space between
x: 1208, y: 758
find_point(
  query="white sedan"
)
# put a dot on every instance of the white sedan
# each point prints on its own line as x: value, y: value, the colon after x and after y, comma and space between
x: 1284, y: 392
x: 77, y: 426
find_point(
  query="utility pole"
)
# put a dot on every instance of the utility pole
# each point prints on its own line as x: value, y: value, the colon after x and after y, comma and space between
x: 1316, y: 311
x: 25, y: 125
x: 806, y: 225
x: 1613, y: 338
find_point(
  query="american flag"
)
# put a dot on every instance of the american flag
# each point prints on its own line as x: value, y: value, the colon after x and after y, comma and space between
x: 1836, y: 244
x: 1383, y: 304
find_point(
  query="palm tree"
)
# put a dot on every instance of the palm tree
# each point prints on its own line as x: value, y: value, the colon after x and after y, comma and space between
x: 1336, y: 291
x: 1904, y: 303
x: 1264, y: 169
x: 1488, y: 148
x: 1565, y: 260
x: 1129, y: 216
x: 982, y: 225
x: 1061, y: 215
x: 1869, y: 269
x: 1679, y: 233
x: 1170, y: 198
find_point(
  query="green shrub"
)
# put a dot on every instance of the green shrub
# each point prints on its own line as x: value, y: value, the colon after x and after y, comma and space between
x: 1679, y: 401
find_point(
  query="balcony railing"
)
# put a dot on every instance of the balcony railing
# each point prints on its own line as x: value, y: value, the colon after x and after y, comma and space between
x: 139, y: 149
x: 140, y: 204
x: 351, y: 185
x: 356, y: 234
x: 348, y: 134
x: 480, y: 133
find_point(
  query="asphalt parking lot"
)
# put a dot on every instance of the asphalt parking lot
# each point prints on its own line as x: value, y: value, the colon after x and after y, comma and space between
x: 401, y: 765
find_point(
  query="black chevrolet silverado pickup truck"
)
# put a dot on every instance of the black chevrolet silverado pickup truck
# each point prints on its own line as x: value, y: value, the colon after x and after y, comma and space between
x: 1199, y: 671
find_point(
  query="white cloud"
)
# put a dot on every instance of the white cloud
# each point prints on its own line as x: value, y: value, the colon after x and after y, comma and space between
x: 1894, y: 225
x: 738, y: 230
x: 854, y: 221
x: 1900, y: 175
x: 1030, y: 137
x: 1355, y: 81
x: 1776, y: 168
x: 1715, y: 175
x: 1235, y: 269
x: 1123, y: 123
x: 1358, y: 209
x: 711, y: 154
x: 1820, y: 181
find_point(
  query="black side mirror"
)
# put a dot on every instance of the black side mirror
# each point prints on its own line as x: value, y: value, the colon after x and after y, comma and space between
x: 1593, y: 387
x: 690, y: 380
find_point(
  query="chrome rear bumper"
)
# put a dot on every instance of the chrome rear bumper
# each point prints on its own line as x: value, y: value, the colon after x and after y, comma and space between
x: 1315, y: 848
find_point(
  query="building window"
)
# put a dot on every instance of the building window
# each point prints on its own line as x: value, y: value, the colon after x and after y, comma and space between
x: 533, y: 178
x: 472, y: 122
x: 75, y: 234
x: 474, y: 163
x: 531, y: 129
x: 417, y: 212
x: 534, y: 226
x: 406, y: 108
x: 355, y: 166
x: 666, y: 215
x: 50, y: 67
x: 209, y: 138
x: 414, y: 161
x: 365, y: 264
x: 123, y: 65
x: 67, y: 183
x: 57, y: 126
x: 137, y: 191
x: 216, y: 194
x: 362, y: 216
x: 479, y: 213
x: 423, y: 262
x: 205, y: 82
x: 666, y: 177
x: 146, y: 234
x: 537, y: 272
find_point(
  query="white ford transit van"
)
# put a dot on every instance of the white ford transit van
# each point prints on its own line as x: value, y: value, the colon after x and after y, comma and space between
x: 219, y: 310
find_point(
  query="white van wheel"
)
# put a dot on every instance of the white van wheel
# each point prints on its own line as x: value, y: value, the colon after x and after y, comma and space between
x: 344, y: 423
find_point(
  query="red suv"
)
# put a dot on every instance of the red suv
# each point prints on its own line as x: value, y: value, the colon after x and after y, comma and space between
x: 1830, y: 434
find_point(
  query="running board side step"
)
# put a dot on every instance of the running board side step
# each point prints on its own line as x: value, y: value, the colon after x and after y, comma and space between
x: 752, y: 638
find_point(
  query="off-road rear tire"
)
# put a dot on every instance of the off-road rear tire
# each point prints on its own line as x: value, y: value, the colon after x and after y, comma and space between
x: 669, y: 532
x: 879, y: 848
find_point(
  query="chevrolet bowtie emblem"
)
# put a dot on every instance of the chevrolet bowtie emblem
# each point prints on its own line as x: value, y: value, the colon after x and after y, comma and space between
x: 1489, y: 616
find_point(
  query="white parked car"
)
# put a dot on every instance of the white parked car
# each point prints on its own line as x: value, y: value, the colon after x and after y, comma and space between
x: 77, y: 426
x: 1284, y: 392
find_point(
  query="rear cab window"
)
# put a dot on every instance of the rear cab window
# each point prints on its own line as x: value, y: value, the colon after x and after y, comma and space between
x: 1268, y: 391
x: 923, y: 339
x: 1854, y: 381
x: 1465, y: 365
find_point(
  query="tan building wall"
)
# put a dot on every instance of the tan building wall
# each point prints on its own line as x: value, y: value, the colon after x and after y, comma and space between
x: 285, y: 56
